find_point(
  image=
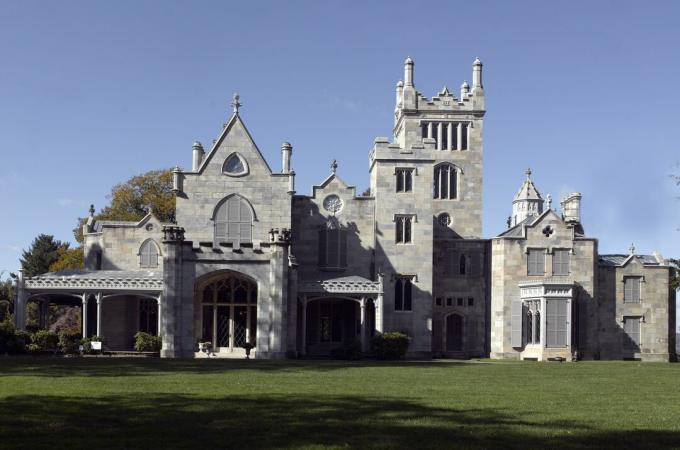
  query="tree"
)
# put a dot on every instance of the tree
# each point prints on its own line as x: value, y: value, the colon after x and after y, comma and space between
x: 675, y: 273
x: 6, y: 298
x: 132, y: 200
x: 68, y: 258
x: 44, y: 251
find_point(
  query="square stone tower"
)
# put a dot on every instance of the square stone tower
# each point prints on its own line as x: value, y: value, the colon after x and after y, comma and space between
x: 430, y: 175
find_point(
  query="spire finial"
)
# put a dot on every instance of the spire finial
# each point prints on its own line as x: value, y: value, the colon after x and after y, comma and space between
x: 549, y: 198
x: 334, y: 166
x: 632, y: 248
x: 235, y: 102
x: 92, y: 210
x: 528, y: 173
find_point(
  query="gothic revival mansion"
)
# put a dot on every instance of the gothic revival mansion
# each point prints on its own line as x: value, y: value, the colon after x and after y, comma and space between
x: 251, y: 262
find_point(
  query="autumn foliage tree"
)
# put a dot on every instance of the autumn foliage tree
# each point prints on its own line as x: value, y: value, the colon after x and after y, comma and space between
x: 132, y: 200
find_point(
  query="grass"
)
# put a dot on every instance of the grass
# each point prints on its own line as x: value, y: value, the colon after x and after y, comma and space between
x: 139, y: 403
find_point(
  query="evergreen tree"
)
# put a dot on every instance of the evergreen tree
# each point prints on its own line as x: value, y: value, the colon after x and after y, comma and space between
x: 44, y: 251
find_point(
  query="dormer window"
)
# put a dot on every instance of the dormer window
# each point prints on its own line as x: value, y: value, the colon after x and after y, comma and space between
x: 148, y: 255
x: 235, y: 165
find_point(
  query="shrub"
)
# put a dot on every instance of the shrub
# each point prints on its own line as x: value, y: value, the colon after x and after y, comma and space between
x: 145, y: 342
x: 87, y: 346
x: 390, y: 345
x: 33, y: 349
x: 19, y: 342
x: 69, y: 340
x: 351, y: 349
x: 7, y: 333
x: 46, y: 340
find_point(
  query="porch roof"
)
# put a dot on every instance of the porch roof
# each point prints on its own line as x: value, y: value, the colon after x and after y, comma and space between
x: 103, y: 280
x: 344, y: 285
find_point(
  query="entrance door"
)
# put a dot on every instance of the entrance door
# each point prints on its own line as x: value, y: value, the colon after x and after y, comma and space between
x: 229, y: 310
x: 454, y: 333
x: 330, y: 323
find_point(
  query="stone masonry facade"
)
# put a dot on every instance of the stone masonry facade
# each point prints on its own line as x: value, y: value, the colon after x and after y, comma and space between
x: 250, y: 266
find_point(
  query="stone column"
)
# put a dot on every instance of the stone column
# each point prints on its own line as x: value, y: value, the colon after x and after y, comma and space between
x: 363, y: 324
x: 379, y: 306
x: 429, y: 130
x: 83, y: 315
x: 449, y: 136
x: 159, y: 314
x: 99, y: 314
x: 439, y: 135
x: 459, y: 136
x: 303, y: 349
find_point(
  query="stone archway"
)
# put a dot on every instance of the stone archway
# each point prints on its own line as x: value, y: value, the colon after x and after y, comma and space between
x: 227, y: 313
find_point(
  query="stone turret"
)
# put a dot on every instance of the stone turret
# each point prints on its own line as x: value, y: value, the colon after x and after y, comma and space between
x: 197, y: 156
x: 527, y: 202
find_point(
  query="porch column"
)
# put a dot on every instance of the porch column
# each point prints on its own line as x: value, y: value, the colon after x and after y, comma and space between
x: 379, y: 305
x: 303, y: 350
x: 459, y: 136
x: 83, y: 315
x: 44, y: 313
x: 158, y: 333
x: 99, y: 314
x: 363, y: 324
x: 449, y: 136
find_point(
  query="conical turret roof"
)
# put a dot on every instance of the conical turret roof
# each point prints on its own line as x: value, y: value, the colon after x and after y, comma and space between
x: 528, y: 190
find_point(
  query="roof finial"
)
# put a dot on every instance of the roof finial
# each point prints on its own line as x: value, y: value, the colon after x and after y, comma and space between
x: 334, y: 166
x: 528, y: 173
x: 632, y: 248
x: 549, y: 198
x: 92, y: 210
x: 235, y: 102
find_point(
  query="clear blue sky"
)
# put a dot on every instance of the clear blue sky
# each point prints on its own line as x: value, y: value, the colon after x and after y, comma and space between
x: 585, y: 93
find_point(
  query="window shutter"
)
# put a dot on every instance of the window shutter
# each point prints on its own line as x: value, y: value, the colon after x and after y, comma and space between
x: 517, y: 316
x: 322, y: 247
x: 636, y: 290
x: 343, y: 248
x: 407, y: 295
x: 408, y: 181
x: 400, y: 180
x: 628, y: 290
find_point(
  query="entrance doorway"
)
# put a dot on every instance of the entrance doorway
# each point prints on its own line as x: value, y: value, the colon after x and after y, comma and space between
x: 330, y: 323
x: 229, y: 314
x: 454, y: 333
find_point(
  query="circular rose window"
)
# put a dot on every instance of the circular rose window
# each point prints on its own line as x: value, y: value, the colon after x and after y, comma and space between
x: 332, y: 203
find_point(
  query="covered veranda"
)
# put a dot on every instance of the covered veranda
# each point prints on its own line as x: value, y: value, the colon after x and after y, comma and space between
x: 337, y: 310
x: 114, y: 304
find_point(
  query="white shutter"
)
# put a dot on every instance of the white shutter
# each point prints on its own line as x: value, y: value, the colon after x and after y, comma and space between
x: 516, y: 335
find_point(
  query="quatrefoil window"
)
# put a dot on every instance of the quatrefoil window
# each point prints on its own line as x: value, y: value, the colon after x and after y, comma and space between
x: 547, y: 231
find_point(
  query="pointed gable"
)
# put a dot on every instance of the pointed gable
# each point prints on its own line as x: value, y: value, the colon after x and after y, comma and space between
x: 235, y: 139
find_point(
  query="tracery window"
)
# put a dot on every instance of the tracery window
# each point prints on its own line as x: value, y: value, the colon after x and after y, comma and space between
x: 404, y: 180
x: 403, y: 294
x: 404, y: 229
x: 235, y: 165
x: 332, y: 246
x: 445, y: 182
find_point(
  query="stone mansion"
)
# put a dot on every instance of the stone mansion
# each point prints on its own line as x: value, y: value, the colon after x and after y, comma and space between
x: 251, y: 262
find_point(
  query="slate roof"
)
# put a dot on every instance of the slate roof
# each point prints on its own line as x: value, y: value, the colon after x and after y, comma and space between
x: 516, y: 231
x: 618, y: 260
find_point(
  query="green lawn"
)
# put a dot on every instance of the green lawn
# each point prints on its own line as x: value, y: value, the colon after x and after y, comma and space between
x: 118, y: 403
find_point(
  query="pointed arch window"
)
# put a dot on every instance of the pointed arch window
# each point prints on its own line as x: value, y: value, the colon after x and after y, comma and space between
x: 235, y: 165
x: 332, y: 246
x: 233, y: 221
x: 462, y: 265
x: 148, y: 254
x: 403, y: 300
x: 445, y: 182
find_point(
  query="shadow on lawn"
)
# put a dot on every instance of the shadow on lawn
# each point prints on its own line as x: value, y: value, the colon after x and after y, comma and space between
x: 106, y: 367
x: 179, y: 421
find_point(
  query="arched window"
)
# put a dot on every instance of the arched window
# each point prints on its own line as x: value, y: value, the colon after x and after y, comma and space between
x: 235, y: 165
x: 233, y: 221
x: 332, y: 246
x: 148, y: 254
x: 402, y: 294
x: 445, y: 182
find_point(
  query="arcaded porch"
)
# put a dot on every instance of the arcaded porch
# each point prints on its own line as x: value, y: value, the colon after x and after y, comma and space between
x: 338, y: 310
x: 114, y: 304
